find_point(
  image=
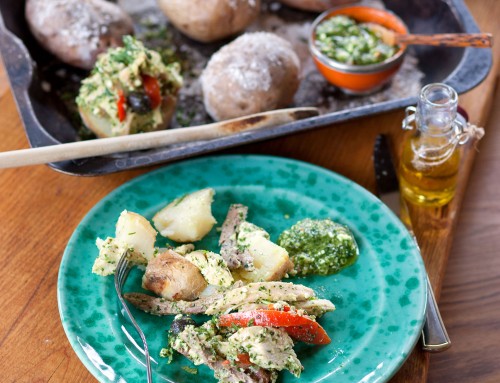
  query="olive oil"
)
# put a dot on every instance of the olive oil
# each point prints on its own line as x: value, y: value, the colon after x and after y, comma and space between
x: 430, y: 161
x: 425, y: 182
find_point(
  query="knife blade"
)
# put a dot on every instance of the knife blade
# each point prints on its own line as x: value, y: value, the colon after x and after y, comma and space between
x: 434, y: 335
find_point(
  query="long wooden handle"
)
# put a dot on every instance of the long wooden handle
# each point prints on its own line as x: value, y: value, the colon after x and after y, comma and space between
x: 477, y: 40
x: 103, y: 146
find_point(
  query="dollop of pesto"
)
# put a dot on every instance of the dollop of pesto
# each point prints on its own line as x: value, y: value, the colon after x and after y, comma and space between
x: 342, y: 39
x: 320, y: 247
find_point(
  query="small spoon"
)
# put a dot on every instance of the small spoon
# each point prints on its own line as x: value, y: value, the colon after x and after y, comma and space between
x: 390, y: 37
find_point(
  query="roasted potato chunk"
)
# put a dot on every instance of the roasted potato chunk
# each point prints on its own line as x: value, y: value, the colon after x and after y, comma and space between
x: 173, y: 277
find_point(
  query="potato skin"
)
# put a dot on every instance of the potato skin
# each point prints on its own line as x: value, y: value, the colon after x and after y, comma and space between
x: 210, y: 20
x: 255, y: 73
x: 77, y: 31
x: 173, y: 277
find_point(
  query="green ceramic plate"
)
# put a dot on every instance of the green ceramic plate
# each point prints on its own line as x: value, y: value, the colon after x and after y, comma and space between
x: 380, y: 300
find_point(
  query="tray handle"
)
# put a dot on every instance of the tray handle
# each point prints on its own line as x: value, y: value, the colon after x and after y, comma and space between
x: 19, y: 66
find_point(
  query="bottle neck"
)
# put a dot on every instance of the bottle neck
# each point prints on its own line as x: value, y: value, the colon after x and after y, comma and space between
x: 437, y: 110
x: 436, y: 136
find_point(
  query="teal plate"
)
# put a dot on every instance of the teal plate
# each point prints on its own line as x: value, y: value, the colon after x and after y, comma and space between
x: 380, y: 300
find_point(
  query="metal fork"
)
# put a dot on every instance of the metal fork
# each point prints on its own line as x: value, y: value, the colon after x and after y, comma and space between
x: 122, y: 270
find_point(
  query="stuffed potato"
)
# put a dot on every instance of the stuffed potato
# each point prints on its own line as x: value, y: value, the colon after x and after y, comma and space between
x: 130, y: 91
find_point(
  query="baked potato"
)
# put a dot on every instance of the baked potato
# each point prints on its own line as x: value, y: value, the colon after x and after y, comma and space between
x: 254, y: 73
x: 210, y: 20
x: 77, y: 31
x: 315, y: 5
x: 173, y: 277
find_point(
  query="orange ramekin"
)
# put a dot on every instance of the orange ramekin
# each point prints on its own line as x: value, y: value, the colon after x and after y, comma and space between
x: 359, y: 79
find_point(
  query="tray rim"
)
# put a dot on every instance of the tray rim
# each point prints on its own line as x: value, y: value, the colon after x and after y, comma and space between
x: 471, y: 70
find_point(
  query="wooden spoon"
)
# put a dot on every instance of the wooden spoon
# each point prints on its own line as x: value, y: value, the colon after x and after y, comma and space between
x: 390, y: 37
x: 103, y: 146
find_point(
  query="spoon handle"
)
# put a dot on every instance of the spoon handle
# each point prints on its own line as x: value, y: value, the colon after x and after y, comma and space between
x: 104, y: 146
x: 477, y: 40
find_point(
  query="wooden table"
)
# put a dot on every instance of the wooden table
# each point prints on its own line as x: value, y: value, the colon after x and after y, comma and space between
x: 40, y: 208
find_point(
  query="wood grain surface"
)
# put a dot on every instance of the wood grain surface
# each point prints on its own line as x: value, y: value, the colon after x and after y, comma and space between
x: 39, y: 209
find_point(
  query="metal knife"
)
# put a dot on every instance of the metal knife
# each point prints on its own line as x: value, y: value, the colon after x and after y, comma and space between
x: 434, y: 335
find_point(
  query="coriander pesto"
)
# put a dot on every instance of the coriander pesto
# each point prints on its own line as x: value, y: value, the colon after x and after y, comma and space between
x: 319, y: 246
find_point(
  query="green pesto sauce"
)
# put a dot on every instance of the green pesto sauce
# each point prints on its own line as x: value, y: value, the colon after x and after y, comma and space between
x: 120, y: 70
x: 342, y: 39
x: 320, y: 247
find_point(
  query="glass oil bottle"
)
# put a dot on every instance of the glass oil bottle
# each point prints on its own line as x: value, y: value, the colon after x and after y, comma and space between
x: 431, y: 159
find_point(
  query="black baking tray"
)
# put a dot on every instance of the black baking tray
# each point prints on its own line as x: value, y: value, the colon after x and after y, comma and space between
x: 45, y: 124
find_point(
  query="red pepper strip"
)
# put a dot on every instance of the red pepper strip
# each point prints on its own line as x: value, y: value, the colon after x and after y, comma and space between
x: 120, y: 106
x: 311, y: 333
x: 264, y: 318
x: 298, y: 326
x: 152, y: 89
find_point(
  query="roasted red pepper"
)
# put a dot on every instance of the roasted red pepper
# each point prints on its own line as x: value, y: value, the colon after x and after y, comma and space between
x: 120, y: 106
x: 299, y: 327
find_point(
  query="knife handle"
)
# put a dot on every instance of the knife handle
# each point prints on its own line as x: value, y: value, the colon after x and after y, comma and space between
x: 434, y: 335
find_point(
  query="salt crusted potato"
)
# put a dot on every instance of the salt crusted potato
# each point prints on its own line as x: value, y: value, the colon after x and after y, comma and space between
x: 171, y: 276
x: 188, y: 218
x: 255, y: 73
x: 77, y: 31
x: 210, y: 20
x: 271, y: 262
x: 315, y: 5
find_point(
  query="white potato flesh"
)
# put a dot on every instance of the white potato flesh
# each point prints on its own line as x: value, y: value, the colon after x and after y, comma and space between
x: 271, y: 261
x: 212, y: 267
x: 188, y: 218
x: 136, y: 233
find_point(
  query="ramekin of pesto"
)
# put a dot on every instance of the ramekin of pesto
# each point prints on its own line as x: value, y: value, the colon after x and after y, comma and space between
x: 319, y: 247
x: 130, y: 90
x: 342, y: 39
